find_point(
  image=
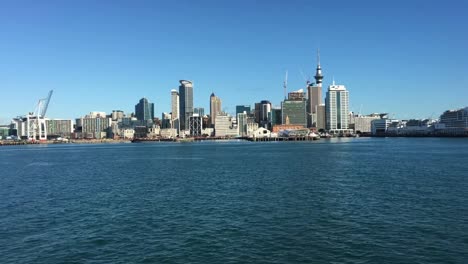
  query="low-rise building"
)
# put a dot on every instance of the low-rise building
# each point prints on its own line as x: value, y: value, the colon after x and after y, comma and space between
x: 455, y: 118
x: 168, y: 132
x: 224, y: 126
x: 362, y: 124
x: 381, y: 125
x: 261, y: 132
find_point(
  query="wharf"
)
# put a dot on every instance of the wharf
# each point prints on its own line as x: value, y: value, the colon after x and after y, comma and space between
x: 17, y: 143
x: 266, y: 139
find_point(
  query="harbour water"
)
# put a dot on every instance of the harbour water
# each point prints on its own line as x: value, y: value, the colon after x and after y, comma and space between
x: 349, y: 200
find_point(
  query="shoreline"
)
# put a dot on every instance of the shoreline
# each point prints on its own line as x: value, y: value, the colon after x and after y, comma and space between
x: 188, y: 140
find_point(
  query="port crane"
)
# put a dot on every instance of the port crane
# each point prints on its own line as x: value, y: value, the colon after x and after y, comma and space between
x: 36, y: 123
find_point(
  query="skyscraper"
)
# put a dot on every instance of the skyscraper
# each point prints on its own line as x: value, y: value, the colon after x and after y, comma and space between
x: 263, y: 113
x: 242, y: 108
x: 175, y: 109
x: 215, y: 108
x: 337, y: 105
x: 185, y: 103
x: 294, y: 109
x: 315, y: 95
x: 200, y: 111
x: 144, y: 110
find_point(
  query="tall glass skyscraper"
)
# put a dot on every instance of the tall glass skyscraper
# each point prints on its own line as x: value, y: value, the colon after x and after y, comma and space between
x: 185, y: 103
x: 144, y: 110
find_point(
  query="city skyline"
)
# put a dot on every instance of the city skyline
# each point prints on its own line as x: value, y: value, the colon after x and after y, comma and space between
x: 392, y: 62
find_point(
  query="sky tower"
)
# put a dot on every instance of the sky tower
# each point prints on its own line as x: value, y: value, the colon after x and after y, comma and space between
x: 318, y: 74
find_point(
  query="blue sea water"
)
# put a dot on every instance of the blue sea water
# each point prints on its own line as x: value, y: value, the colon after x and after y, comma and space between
x: 365, y: 200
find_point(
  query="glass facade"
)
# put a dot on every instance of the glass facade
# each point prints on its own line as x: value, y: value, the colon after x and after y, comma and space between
x: 295, y: 112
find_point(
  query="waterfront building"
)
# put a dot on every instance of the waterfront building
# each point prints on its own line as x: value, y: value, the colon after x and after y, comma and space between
x: 416, y: 127
x: 128, y: 133
x: 153, y: 131
x: 276, y: 116
x: 321, y: 123
x: 195, y: 125
x: 337, y: 105
x: 206, y: 121
x: 215, y: 108
x: 263, y: 113
x: 175, y: 109
x: 59, y: 128
x: 252, y: 126
x: 140, y: 132
x: 208, y: 131
x: 278, y: 128
x: 166, y: 119
x: 144, y: 110
x: 382, y: 125
x: 168, y: 133
x: 362, y: 124
x: 261, y: 132
x: 128, y: 122
x: 242, y: 109
x: 117, y: 115
x: 95, y: 127
x: 242, y: 123
x: 4, y: 132
x: 224, y: 126
x: 455, y: 118
x: 185, y: 103
x: 294, y: 109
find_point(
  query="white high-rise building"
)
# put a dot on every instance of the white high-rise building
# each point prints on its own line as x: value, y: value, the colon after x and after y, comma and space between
x: 337, y: 109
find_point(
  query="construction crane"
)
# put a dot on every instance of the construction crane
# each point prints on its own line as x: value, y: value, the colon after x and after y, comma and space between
x: 285, y: 85
x: 36, y: 124
x: 306, y: 79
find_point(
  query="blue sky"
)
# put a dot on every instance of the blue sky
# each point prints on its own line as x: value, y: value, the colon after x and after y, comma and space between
x: 408, y: 58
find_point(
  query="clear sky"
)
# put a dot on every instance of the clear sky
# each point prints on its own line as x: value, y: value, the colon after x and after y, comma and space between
x: 408, y: 58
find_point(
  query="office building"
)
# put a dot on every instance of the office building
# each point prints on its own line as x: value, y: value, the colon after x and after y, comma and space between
x: 215, y: 108
x: 199, y: 111
x: 195, y: 125
x: 117, y: 115
x: 455, y: 118
x: 175, y: 122
x: 224, y: 126
x: 242, y: 124
x: 337, y: 109
x: 144, y: 110
x: 362, y: 124
x: 185, y: 103
x: 95, y: 127
x: 242, y: 108
x: 276, y: 116
x: 166, y: 119
x: 321, y: 121
x: 59, y: 128
x: 263, y: 113
x: 382, y: 124
x: 294, y: 109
